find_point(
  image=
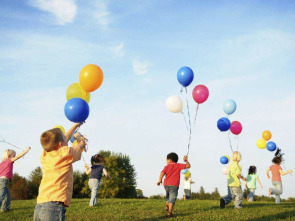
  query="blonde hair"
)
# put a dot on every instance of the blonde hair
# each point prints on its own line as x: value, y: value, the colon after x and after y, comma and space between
x: 51, y: 138
x: 7, y: 154
x: 236, y: 156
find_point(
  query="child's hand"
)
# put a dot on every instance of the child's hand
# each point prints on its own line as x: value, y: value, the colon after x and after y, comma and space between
x: 86, y: 166
x: 268, y: 176
x: 159, y: 182
x: 290, y: 171
x: 185, y: 158
x: 28, y: 149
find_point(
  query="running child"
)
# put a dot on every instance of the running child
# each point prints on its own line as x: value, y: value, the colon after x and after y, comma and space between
x: 187, y: 187
x: 251, y: 182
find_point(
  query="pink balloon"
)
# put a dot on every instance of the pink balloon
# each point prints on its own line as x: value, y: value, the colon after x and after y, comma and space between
x: 236, y: 127
x: 200, y: 93
x: 225, y: 170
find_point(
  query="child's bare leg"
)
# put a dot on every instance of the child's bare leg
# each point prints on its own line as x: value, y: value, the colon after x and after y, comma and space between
x: 167, y: 206
x: 170, y: 208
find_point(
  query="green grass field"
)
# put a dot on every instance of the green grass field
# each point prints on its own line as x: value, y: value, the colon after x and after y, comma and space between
x: 153, y: 209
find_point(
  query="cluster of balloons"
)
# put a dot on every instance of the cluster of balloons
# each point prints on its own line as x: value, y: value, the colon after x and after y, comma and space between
x: 78, y: 94
x: 185, y: 76
x: 186, y: 172
x: 61, y: 128
x: 224, y: 159
x: 262, y: 143
x: 224, y: 124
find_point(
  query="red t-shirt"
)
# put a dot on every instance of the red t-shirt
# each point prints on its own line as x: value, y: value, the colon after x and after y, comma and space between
x: 275, y: 171
x: 172, y: 172
x: 6, y: 168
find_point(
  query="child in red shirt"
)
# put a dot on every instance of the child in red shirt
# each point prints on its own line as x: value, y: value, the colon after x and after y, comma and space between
x: 172, y: 179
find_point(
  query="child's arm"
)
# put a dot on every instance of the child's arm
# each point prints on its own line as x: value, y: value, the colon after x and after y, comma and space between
x: 285, y: 173
x: 20, y: 155
x: 259, y: 183
x: 267, y: 173
x: 187, y: 164
x: 160, y: 178
x: 241, y: 177
x: 105, y: 172
x: 88, y: 169
x: 70, y: 132
x: 76, y: 151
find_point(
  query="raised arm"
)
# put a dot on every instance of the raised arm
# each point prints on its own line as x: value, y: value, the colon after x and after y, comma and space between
x: 88, y: 169
x: 160, y: 178
x: 70, y: 132
x: 187, y: 164
x: 21, y: 154
x: 285, y: 173
x: 267, y: 173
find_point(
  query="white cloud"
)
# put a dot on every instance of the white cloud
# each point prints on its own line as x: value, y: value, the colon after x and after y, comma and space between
x: 139, y: 67
x: 64, y: 10
x: 101, y: 14
x: 118, y: 50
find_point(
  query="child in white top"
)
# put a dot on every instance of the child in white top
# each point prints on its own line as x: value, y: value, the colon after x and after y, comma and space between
x: 187, y: 187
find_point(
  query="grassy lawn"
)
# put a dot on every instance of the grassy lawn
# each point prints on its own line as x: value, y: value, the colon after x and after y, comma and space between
x: 148, y: 209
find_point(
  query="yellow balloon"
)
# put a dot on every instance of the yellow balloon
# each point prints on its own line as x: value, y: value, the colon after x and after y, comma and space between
x: 60, y: 127
x: 75, y: 90
x: 187, y: 174
x: 227, y: 156
x: 75, y: 143
x: 261, y: 143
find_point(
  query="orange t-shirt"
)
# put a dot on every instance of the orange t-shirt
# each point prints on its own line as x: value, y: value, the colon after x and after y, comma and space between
x: 57, y: 180
x: 275, y: 171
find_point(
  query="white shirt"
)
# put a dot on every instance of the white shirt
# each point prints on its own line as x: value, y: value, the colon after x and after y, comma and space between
x: 187, y: 184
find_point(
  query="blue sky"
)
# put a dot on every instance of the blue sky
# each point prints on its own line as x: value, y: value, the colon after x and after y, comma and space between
x: 239, y: 50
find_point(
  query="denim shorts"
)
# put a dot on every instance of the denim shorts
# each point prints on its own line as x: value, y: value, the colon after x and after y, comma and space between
x: 187, y: 193
x: 50, y: 211
x: 171, y: 193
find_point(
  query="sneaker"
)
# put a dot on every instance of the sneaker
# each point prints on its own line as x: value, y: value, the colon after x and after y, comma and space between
x: 222, y: 203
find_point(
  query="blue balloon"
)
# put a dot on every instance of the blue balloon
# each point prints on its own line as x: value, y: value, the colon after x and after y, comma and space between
x: 76, y: 110
x: 229, y: 106
x: 72, y: 137
x: 271, y: 146
x: 223, y: 124
x: 184, y: 171
x: 223, y: 160
x: 185, y: 76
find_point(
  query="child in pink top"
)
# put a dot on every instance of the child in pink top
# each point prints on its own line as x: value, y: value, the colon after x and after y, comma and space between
x: 276, y: 171
x: 6, y: 171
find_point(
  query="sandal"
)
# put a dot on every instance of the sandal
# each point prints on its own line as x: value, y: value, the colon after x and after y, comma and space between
x: 169, y: 215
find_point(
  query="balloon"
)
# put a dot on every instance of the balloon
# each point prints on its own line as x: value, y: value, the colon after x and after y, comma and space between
x: 75, y: 143
x: 225, y: 170
x: 271, y: 146
x: 174, y: 104
x: 76, y: 110
x: 227, y: 156
x: 200, y: 93
x: 72, y: 137
x: 236, y: 127
x: 223, y: 124
x: 61, y: 127
x: 184, y: 171
x: 229, y: 106
x: 91, y: 77
x: 266, y: 135
x: 75, y: 90
x: 223, y: 160
x: 187, y: 174
x: 185, y: 76
x: 261, y: 144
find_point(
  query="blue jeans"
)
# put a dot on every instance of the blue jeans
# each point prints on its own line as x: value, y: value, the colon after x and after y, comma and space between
x: 171, y: 193
x: 277, y: 190
x: 236, y: 193
x: 251, y: 194
x: 94, y: 186
x: 50, y: 211
x: 4, y: 195
x: 187, y: 193
x: 228, y: 198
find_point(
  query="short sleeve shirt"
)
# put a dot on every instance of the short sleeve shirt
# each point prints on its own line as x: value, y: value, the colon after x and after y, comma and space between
x: 233, y: 170
x: 251, y: 181
x: 172, y: 173
x: 275, y: 171
x: 96, y: 172
x: 187, y: 184
x: 6, y: 168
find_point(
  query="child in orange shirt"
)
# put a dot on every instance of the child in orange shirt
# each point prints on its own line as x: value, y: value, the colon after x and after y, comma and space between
x: 56, y: 188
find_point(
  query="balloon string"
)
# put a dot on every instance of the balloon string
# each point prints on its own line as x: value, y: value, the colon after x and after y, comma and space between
x: 83, y: 159
x: 189, y: 120
x: 185, y: 121
x: 4, y: 141
x: 230, y: 143
x: 237, y: 138
x: 196, y: 113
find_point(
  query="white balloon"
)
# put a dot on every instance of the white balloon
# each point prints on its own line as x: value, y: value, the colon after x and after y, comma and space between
x: 174, y: 104
x: 225, y: 170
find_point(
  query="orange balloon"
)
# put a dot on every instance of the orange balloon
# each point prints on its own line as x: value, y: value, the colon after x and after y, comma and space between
x: 266, y: 135
x: 91, y: 77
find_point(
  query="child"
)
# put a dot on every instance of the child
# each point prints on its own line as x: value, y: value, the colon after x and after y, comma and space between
x: 234, y: 183
x: 187, y: 187
x: 6, y: 172
x: 56, y: 187
x: 96, y: 171
x: 172, y: 178
x: 276, y: 171
x: 251, y: 182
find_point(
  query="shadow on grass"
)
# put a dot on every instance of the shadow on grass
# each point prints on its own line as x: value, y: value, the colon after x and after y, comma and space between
x: 178, y: 216
x: 283, y: 215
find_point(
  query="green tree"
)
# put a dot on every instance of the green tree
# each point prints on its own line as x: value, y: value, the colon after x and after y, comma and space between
x: 80, y: 181
x: 123, y: 177
x: 19, y: 189
x: 139, y: 193
x: 34, y: 182
x: 215, y: 195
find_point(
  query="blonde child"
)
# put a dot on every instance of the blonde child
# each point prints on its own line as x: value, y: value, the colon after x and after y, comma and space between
x: 187, y: 187
x: 172, y: 178
x: 234, y: 183
x: 6, y: 173
x: 56, y: 188
x: 276, y: 171
x: 96, y: 171
x: 251, y: 182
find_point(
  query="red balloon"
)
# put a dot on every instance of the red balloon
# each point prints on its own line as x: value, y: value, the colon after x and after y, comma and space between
x: 200, y: 93
x: 236, y: 127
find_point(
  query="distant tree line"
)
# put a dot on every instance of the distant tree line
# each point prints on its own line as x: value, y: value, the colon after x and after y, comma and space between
x: 121, y: 185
